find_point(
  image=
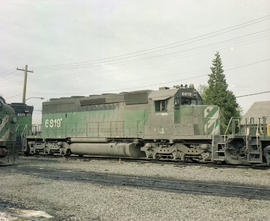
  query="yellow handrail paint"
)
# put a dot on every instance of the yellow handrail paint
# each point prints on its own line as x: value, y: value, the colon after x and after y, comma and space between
x: 268, y: 130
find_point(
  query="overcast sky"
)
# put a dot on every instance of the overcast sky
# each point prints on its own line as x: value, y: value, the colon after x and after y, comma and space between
x: 78, y: 47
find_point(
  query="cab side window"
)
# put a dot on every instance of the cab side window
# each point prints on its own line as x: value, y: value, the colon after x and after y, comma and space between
x: 161, y: 106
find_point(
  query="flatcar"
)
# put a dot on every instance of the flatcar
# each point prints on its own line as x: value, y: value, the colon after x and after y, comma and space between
x: 7, y: 131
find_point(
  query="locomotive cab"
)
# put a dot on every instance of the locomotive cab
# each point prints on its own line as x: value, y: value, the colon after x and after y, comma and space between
x: 178, y: 112
x: 179, y: 126
x: 23, y: 113
x: 180, y: 95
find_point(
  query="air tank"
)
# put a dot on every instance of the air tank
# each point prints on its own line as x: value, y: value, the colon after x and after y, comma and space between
x: 107, y: 149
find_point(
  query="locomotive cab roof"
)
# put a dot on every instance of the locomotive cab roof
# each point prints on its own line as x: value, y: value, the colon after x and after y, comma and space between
x: 22, y: 108
x: 163, y: 94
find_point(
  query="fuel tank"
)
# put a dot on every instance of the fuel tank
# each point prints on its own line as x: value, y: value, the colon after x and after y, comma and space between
x: 107, y: 149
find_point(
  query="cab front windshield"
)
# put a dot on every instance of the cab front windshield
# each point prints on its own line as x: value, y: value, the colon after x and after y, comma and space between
x: 186, y: 98
x: 188, y: 101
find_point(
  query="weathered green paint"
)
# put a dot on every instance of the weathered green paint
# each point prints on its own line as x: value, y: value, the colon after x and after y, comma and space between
x: 7, y: 124
x: 205, y: 119
x: 100, y: 123
x: 23, y: 122
x: 74, y: 124
x: 127, y: 118
x: 135, y: 121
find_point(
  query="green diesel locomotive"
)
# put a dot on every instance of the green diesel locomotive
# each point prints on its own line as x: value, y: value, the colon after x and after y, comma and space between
x: 167, y: 123
x: 23, y: 113
x: 7, y: 131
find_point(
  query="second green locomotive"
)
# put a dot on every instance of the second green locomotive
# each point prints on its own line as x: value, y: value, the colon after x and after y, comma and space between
x: 23, y: 113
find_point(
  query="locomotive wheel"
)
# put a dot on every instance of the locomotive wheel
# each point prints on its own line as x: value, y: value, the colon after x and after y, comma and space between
x: 27, y: 151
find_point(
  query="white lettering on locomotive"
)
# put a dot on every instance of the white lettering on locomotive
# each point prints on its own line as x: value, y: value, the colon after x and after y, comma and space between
x: 187, y: 94
x: 53, y: 123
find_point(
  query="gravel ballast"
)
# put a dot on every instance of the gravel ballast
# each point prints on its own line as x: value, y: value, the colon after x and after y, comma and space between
x: 74, y: 199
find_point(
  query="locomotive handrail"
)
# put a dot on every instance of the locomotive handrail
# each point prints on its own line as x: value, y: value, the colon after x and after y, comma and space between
x: 36, y: 129
x: 228, y: 126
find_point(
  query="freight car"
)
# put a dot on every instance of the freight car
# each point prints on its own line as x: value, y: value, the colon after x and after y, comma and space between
x: 167, y: 123
x: 7, y: 131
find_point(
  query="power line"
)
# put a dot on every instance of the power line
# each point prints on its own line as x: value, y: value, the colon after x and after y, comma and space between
x: 167, y: 46
x: 247, y: 65
x: 200, y: 76
x: 248, y: 95
x: 242, y: 43
x: 16, y: 95
x: 197, y: 76
x: 73, y: 67
x: 184, y: 79
x: 9, y: 73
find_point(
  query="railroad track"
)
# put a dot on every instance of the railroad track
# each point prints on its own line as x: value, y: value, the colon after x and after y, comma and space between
x: 145, y: 160
x: 152, y: 183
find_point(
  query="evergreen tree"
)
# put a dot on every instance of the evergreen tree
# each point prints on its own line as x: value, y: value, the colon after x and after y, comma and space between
x: 217, y: 93
x: 201, y: 89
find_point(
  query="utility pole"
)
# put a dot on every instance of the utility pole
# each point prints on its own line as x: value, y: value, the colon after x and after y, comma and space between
x: 25, y: 80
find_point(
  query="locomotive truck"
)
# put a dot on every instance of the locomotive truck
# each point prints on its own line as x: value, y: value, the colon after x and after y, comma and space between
x: 7, y: 131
